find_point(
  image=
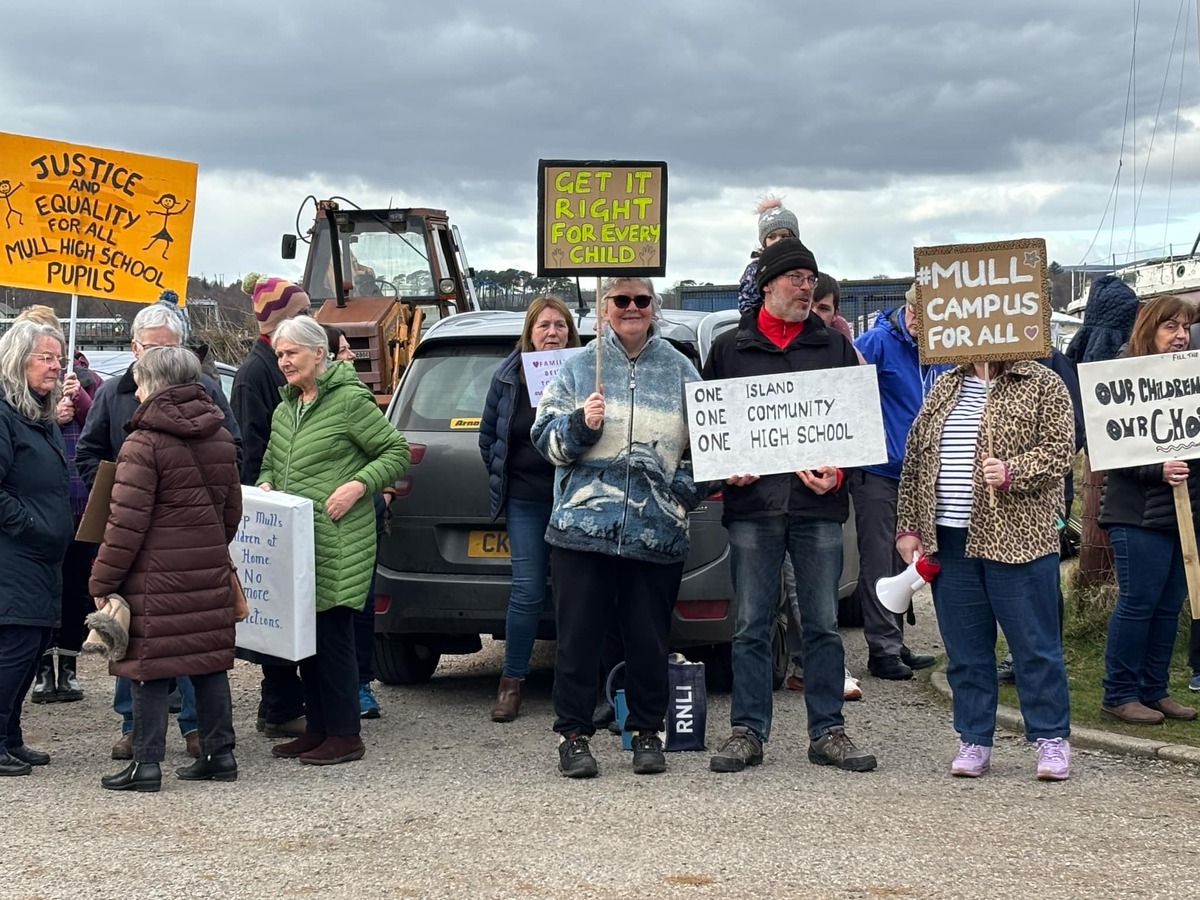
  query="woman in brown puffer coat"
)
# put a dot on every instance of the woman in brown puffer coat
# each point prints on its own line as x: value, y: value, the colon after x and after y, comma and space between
x: 176, y: 505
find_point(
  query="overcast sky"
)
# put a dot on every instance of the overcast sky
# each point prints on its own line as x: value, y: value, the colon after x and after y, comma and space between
x: 883, y: 124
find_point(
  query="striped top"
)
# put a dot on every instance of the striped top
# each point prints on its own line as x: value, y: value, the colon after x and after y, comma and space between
x: 959, y: 434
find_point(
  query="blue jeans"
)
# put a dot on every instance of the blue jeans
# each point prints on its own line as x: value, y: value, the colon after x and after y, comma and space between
x: 971, y: 595
x: 1143, y: 624
x: 526, y: 521
x: 757, y: 547
x: 123, y: 704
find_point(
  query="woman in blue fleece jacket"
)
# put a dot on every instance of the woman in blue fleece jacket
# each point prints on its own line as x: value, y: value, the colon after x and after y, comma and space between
x: 618, y: 529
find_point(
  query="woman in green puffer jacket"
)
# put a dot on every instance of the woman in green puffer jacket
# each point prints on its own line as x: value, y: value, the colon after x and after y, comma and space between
x: 330, y: 443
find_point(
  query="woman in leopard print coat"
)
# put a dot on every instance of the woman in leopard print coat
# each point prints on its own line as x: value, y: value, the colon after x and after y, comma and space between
x: 982, y: 488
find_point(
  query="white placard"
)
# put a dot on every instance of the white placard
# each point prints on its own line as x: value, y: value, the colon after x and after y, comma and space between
x: 1141, y: 410
x: 771, y: 424
x: 541, y: 366
x: 274, y: 554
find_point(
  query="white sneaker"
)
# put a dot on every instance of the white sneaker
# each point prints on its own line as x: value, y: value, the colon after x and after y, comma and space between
x: 850, y: 688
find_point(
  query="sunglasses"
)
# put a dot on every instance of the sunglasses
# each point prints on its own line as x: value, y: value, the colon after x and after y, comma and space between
x: 622, y: 301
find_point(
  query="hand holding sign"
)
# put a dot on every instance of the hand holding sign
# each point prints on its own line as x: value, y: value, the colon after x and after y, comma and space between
x: 1175, y: 472
x: 593, y: 410
x: 995, y: 472
x: 821, y: 480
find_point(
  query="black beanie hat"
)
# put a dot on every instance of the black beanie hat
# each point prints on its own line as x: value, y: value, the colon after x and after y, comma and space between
x: 783, y: 256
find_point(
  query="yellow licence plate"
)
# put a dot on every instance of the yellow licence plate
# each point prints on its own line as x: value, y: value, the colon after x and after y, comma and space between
x: 488, y: 545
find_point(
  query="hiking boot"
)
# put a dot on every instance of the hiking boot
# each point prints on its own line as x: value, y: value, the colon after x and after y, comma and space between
x: 890, y: 668
x: 972, y: 760
x: 1005, y: 673
x: 648, y: 758
x: 1054, y: 759
x: 834, y: 748
x: 575, y: 758
x: 1172, y: 709
x: 368, y: 706
x: 850, y: 687
x: 335, y: 749
x: 123, y: 749
x: 742, y: 748
x: 1133, y: 713
x: 915, y: 660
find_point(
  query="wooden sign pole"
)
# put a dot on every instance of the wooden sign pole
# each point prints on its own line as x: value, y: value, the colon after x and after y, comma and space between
x: 1187, y: 541
x: 599, y: 335
x: 987, y: 415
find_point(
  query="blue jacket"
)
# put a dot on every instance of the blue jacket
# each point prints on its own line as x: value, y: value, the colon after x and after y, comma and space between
x: 35, y: 519
x: 903, y: 382
x: 1059, y: 363
x: 626, y: 489
x: 496, y: 425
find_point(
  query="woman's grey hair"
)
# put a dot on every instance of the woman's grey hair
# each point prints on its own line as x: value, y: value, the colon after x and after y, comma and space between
x: 157, y: 316
x: 607, y: 285
x: 18, y: 344
x: 164, y: 367
x: 304, y: 331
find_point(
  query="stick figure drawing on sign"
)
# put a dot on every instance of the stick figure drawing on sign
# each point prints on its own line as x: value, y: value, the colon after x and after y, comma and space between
x: 6, y: 192
x: 167, y: 202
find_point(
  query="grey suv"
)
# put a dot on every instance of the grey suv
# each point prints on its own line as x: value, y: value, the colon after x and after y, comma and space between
x: 442, y: 578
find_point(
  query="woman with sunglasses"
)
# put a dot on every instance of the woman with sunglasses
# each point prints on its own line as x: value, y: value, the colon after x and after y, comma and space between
x: 618, y: 527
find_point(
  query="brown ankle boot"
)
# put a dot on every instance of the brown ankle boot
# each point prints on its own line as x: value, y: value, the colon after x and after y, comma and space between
x: 508, y: 700
x: 302, y: 744
x: 335, y: 749
x: 1173, y: 709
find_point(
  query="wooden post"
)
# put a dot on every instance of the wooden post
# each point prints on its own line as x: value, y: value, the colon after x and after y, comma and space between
x: 69, y: 367
x: 1187, y: 541
x: 599, y: 336
x: 987, y: 416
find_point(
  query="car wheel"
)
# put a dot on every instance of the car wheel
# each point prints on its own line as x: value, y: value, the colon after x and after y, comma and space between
x: 399, y: 659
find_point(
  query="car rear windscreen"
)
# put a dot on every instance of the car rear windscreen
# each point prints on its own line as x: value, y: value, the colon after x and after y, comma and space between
x: 446, y: 386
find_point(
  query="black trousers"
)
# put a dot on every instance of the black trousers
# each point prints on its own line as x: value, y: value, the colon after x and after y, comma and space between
x: 1194, y: 647
x: 21, y: 649
x: 282, y: 697
x: 76, y: 598
x: 590, y: 590
x: 331, y: 676
x: 364, y: 638
x: 214, y: 716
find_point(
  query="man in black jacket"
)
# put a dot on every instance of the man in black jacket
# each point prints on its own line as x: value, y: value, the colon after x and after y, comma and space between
x: 802, y: 513
x: 254, y: 397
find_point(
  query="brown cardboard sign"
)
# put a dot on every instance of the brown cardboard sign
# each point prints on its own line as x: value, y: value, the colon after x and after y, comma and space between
x: 983, y: 302
x: 601, y: 218
x: 95, y: 514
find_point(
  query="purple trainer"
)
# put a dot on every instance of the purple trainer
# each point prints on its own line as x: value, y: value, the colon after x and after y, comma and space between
x: 972, y: 760
x: 1054, y: 759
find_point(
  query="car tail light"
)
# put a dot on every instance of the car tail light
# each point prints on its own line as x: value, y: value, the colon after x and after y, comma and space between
x: 403, y: 485
x: 715, y: 495
x: 416, y: 453
x: 702, y: 609
x: 382, y: 602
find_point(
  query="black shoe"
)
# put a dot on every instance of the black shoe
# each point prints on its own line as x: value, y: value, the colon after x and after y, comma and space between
x: 221, y: 767
x: 29, y: 755
x: 69, y: 688
x: 10, y: 765
x: 135, y: 777
x: 44, y: 689
x: 834, y: 748
x: 1005, y: 673
x: 648, y: 758
x: 742, y: 748
x: 604, y: 715
x: 890, y: 668
x: 915, y: 660
x: 575, y: 758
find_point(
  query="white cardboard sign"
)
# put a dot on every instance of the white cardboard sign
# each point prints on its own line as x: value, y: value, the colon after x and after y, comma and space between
x: 540, y: 368
x: 770, y: 424
x: 1141, y: 410
x: 275, y: 558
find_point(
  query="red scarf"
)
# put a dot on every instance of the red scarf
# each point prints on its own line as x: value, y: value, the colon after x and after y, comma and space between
x: 778, y: 331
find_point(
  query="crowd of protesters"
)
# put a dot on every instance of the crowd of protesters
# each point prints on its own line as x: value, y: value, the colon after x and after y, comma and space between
x: 596, y: 486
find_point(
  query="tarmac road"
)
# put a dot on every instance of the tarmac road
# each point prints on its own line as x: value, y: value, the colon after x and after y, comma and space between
x: 447, y: 804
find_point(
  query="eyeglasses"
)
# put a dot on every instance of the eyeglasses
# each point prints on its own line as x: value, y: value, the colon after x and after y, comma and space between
x: 622, y: 301
x: 48, y: 358
x: 801, y: 280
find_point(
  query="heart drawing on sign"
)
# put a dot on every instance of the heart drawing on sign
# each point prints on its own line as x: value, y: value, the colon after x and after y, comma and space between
x: 537, y: 363
x: 1031, y: 331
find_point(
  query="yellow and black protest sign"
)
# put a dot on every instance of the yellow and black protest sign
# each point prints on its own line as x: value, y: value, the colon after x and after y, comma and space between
x: 983, y: 302
x: 82, y: 220
x: 601, y: 218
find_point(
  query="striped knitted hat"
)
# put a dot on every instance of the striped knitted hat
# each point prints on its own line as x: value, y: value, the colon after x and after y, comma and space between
x: 274, y: 301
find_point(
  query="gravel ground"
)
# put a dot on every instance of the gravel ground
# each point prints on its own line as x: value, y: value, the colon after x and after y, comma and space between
x: 447, y: 804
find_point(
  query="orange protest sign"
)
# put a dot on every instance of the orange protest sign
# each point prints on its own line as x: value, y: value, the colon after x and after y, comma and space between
x: 601, y: 218
x: 83, y: 220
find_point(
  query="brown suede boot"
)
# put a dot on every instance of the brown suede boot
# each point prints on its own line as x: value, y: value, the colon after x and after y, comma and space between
x: 336, y: 749
x: 302, y: 744
x: 1173, y: 709
x: 191, y: 742
x: 1132, y: 712
x: 508, y: 700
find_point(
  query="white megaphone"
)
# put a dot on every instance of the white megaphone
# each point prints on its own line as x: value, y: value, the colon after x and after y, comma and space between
x: 896, y: 592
